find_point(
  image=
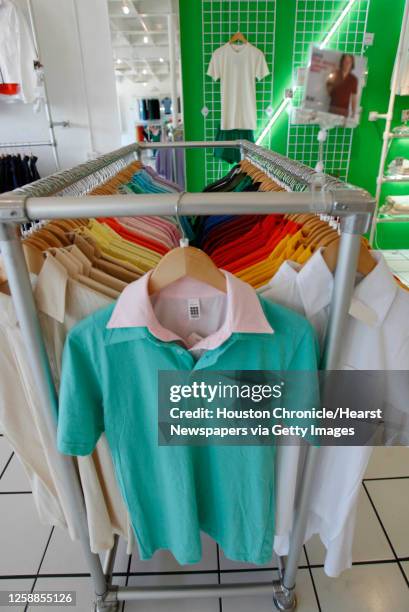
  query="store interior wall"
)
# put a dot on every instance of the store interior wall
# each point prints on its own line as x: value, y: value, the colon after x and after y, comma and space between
x: 367, y: 138
x: 75, y: 49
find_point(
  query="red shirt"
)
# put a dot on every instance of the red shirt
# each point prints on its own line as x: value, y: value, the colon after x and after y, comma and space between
x: 135, y: 236
x: 341, y: 94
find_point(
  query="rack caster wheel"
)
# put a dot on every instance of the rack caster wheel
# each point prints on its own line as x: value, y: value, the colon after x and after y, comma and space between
x: 108, y: 602
x: 284, y: 599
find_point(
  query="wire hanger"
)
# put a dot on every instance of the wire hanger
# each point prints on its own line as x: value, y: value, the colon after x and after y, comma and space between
x: 185, y: 261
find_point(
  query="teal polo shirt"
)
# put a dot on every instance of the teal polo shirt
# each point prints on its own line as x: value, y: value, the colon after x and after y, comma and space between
x: 109, y: 384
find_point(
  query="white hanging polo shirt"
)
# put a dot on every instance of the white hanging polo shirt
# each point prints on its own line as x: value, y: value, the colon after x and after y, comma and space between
x: 376, y: 337
x: 238, y: 67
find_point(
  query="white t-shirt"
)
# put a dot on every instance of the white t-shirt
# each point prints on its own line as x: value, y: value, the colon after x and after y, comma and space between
x: 237, y: 67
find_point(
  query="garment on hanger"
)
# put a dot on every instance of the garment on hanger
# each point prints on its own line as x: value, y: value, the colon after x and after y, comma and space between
x: 17, y: 171
x: 232, y: 156
x: 376, y: 337
x: 167, y: 105
x: 61, y: 302
x: 164, y: 164
x: 18, y: 78
x: 238, y: 67
x: 145, y: 336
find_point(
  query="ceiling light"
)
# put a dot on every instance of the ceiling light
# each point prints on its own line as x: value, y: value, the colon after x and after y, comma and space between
x: 144, y: 84
x: 145, y: 40
x: 161, y: 60
x: 119, y: 61
x: 144, y: 71
x: 125, y: 8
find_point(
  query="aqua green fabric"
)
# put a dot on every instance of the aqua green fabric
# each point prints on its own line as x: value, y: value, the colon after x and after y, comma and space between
x: 109, y: 384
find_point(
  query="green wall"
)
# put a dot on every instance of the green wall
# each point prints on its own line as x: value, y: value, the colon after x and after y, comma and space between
x: 384, y: 20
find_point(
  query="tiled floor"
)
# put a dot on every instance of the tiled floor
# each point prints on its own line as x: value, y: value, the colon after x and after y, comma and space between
x: 34, y: 557
x: 37, y: 558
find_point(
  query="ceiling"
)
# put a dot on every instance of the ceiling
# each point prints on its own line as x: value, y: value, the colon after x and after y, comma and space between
x: 140, y: 41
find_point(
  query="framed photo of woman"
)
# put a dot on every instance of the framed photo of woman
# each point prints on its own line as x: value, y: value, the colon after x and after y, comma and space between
x: 334, y: 84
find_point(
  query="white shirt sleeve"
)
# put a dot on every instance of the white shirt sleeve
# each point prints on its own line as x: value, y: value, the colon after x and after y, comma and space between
x: 214, y: 69
x: 261, y: 68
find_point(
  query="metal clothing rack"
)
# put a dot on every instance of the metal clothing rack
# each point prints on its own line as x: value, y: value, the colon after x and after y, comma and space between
x: 42, y: 200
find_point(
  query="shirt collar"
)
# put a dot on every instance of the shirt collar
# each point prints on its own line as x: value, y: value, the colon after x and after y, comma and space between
x: 244, y: 313
x: 51, y: 288
x: 373, y: 295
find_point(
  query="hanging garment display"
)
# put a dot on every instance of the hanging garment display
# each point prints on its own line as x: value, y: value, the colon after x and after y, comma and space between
x: 87, y: 265
x: 128, y: 342
x: 376, y: 337
x: 16, y: 171
x: 167, y: 105
x: 238, y: 67
x: 18, y: 78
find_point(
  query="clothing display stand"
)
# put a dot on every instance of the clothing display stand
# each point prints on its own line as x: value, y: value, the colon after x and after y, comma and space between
x: 42, y: 200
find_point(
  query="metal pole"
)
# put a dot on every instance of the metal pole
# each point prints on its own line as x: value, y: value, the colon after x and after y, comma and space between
x: 194, y: 591
x: 23, y: 300
x: 389, y: 118
x: 172, y: 69
x: 47, y: 106
x: 23, y: 145
x: 71, y: 207
x: 341, y: 299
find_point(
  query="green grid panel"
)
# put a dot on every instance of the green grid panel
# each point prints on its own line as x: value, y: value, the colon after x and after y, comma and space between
x: 314, y: 20
x: 220, y: 20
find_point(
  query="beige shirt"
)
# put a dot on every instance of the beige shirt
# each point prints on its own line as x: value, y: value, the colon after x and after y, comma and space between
x: 61, y: 302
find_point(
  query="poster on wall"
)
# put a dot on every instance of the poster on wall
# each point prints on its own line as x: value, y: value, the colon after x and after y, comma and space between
x: 333, y: 86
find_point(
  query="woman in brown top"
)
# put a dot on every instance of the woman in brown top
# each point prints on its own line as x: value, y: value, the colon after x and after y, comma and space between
x: 342, y: 87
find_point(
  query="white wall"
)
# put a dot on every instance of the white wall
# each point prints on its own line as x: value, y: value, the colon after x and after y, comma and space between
x: 82, y: 93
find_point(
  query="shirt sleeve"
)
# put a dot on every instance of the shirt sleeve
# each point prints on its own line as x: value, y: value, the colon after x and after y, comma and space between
x: 80, y: 414
x: 214, y: 66
x: 261, y: 66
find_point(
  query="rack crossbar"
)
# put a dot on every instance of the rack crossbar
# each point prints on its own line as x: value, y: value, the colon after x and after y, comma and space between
x: 26, y: 145
x: 336, y: 203
x: 195, y: 590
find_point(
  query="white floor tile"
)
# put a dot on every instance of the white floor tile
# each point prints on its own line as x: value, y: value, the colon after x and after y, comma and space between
x: 15, y: 478
x: 22, y: 535
x: 63, y: 555
x: 18, y: 585
x: 391, y: 499
x: 173, y: 605
x: 369, y: 588
x: 164, y: 561
x: 263, y: 603
x: 5, y: 453
x: 370, y: 543
x: 82, y: 587
x: 228, y: 564
x: 386, y: 462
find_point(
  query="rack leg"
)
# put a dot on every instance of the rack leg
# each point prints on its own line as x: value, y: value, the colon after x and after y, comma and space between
x: 21, y: 292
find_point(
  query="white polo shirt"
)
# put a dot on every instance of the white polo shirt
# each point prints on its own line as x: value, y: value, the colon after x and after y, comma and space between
x: 376, y: 337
